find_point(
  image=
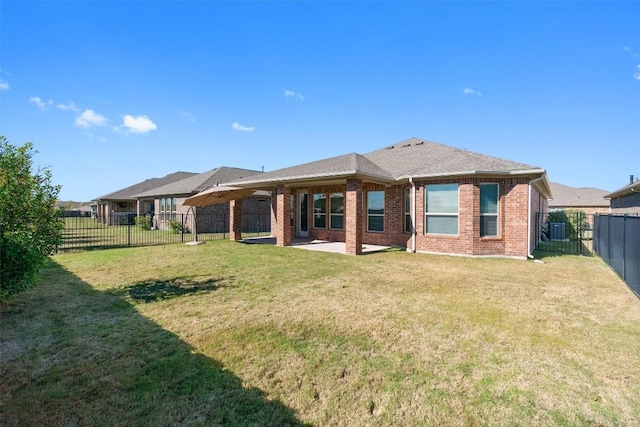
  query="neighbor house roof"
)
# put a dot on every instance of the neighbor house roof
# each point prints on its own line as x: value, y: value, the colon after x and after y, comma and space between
x: 129, y: 193
x: 197, y: 183
x: 565, y: 196
x: 634, y: 187
x: 415, y: 158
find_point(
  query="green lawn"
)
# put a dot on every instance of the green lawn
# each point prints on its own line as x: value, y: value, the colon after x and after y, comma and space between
x: 233, y: 334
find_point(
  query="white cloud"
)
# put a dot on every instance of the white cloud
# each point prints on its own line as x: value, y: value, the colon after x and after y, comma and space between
x: 89, y: 118
x: 637, y: 75
x: 41, y: 104
x: 139, y: 124
x: 469, y: 91
x: 68, y: 107
x: 188, y: 116
x: 4, y: 85
x: 237, y: 126
x: 291, y: 94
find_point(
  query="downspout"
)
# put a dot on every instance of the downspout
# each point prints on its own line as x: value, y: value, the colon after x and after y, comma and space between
x: 413, y: 215
x: 529, y: 208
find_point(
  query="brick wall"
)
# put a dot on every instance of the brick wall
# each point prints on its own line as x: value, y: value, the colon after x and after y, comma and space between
x: 513, y: 237
x: 628, y: 204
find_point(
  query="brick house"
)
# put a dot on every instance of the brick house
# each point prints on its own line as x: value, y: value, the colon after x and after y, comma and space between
x: 120, y: 206
x: 420, y: 195
x: 169, y: 199
x: 589, y: 200
x: 626, y: 200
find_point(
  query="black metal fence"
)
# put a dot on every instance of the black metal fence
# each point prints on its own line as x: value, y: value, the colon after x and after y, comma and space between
x: 129, y: 230
x: 617, y: 242
x: 567, y: 232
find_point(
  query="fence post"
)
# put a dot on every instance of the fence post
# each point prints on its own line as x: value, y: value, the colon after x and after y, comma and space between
x: 182, y: 228
x: 128, y: 231
x: 624, y: 248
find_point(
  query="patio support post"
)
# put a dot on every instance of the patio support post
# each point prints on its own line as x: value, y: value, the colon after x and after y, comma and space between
x: 283, y: 229
x: 353, y: 217
x: 235, y: 219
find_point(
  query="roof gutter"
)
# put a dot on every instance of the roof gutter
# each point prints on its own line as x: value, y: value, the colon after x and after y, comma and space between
x: 529, y: 209
x: 478, y: 172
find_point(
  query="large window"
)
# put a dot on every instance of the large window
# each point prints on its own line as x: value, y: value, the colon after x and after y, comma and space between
x: 336, y: 221
x: 320, y: 210
x: 441, y: 209
x: 375, y: 211
x: 407, y: 210
x: 489, y: 194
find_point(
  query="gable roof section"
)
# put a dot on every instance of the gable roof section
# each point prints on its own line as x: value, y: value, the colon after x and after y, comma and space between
x: 634, y: 187
x: 419, y: 158
x: 565, y: 196
x: 340, y: 166
x: 128, y: 193
x: 414, y: 157
x: 199, y: 182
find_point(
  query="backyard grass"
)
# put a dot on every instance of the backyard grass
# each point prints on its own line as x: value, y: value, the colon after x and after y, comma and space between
x: 234, y: 334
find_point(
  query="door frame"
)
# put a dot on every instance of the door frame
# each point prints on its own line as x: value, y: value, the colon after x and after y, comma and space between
x: 302, y: 196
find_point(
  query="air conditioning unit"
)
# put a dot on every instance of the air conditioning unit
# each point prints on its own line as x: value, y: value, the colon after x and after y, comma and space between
x: 557, y: 230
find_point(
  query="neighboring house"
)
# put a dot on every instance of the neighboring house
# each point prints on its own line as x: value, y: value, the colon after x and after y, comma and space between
x: 119, y: 206
x: 169, y: 200
x: 588, y: 200
x: 626, y: 200
x: 417, y: 194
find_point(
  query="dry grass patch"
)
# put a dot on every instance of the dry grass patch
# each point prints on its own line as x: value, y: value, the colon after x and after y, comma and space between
x: 324, y: 339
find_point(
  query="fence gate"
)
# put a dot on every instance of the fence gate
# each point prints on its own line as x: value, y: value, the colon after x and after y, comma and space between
x: 568, y: 232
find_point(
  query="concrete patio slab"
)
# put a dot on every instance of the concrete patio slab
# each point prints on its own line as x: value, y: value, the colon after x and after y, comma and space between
x: 315, y: 245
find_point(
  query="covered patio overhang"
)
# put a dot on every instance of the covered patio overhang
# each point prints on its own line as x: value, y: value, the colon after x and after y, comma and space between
x: 281, y: 208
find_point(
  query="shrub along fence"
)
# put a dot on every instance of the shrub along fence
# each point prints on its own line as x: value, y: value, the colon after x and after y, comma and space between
x: 569, y: 232
x: 130, y: 230
x: 616, y: 240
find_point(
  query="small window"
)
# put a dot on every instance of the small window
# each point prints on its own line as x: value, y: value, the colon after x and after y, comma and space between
x: 441, y: 209
x: 375, y: 211
x: 320, y: 210
x: 407, y: 210
x: 336, y: 221
x: 174, y: 205
x: 489, y: 194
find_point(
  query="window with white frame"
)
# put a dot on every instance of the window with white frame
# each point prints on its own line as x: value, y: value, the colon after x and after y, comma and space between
x: 375, y: 211
x: 441, y: 209
x: 336, y: 211
x: 489, y: 196
x: 320, y: 210
x: 407, y: 210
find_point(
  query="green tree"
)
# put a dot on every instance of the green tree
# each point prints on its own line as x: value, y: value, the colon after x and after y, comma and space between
x: 30, y: 225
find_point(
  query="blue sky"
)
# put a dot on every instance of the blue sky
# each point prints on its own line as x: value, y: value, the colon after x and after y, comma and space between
x: 112, y: 93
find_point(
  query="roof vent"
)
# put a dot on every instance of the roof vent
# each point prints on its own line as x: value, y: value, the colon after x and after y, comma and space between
x: 389, y: 148
x: 407, y: 144
x: 631, y: 179
x: 420, y: 143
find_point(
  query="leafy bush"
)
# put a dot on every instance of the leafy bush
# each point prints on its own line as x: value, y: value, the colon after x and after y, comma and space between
x: 144, y: 222
x: 175, y: 226
x: 575, y: 221
x: 30, y: 225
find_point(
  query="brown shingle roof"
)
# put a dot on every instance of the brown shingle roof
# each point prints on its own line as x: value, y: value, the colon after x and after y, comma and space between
x: 565, y: 196
x: 414, y: 157
x: 128, y: 193
x: 199, y: 182
x: 420, y: 158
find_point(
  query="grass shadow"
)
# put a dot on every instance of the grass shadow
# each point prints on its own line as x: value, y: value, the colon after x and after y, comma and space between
x: 159, y: 290
x: 72, y: 355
